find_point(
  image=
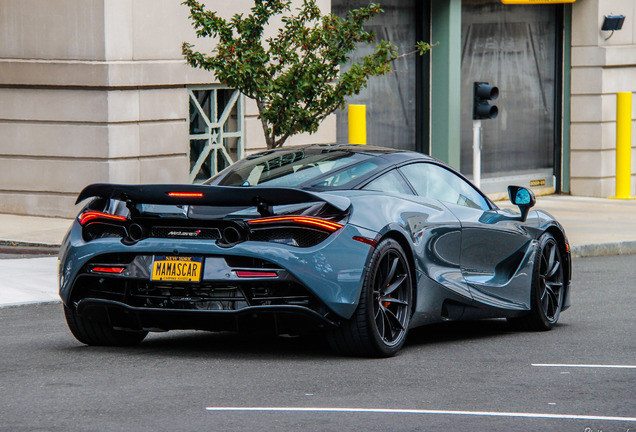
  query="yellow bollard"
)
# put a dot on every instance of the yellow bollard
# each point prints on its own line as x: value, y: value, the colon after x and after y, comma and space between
x: 357, y: 124
x: 623, y: 145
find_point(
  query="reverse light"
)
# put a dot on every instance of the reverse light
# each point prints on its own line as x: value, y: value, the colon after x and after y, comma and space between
x: 88, y: 216
x: 299, y: 220
x: 186, y: 194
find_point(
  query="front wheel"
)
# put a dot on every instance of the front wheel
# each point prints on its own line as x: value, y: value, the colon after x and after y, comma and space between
x: 380, y: 323
x: 92, y: 332
x: 547, y: 292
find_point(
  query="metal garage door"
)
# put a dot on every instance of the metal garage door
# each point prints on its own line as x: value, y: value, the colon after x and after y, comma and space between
x: 516, y: 49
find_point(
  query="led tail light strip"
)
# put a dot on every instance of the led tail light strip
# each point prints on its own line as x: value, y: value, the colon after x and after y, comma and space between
x: 88, y: 216
x: 299, y: 220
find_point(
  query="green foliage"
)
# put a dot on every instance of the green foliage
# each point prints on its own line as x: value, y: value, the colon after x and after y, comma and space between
x: 294, y: 76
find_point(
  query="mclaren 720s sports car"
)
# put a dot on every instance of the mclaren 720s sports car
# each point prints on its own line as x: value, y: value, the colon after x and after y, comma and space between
x: 362, y: 243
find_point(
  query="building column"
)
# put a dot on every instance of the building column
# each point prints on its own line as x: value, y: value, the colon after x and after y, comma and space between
x: 601, y: 67
x: 567, y: 68
x: 446, y: 80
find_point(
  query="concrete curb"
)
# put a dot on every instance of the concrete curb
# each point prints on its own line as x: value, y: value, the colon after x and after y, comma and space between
x: 20, y: 243
x: 28, y: 248
x: 604, y: 249
x: 30, y: 303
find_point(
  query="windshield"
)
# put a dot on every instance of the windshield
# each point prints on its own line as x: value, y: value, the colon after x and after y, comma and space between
x: 319, y: 168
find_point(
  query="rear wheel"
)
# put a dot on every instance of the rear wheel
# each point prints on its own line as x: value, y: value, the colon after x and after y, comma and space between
x: 379, y: 324
x: 95, y: 333
x: 547, y: 293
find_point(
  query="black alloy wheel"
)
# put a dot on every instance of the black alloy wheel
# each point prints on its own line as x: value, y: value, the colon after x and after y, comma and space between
x: 548, y: 287
x: 92, y: 332
x: 379, y: 325
x: 551, y: 281
x: 390, y: 298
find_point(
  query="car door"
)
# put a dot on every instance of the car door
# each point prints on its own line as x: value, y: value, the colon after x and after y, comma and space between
x: 494, y: 244
x: 435, y: 231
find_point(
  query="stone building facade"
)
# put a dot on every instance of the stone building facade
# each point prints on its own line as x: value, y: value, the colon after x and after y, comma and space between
x: 602, y: 65
x: 97, y: 91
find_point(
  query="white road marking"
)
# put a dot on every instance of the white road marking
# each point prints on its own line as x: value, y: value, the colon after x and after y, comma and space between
x: 584, y: 366
x: 420, y: 411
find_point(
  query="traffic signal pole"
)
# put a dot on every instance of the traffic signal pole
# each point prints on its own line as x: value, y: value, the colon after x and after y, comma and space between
x: 477, y: 152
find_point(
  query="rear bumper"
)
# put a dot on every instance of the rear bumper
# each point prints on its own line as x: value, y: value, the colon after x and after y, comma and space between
x: 281, y: 319
x: 332, y: 271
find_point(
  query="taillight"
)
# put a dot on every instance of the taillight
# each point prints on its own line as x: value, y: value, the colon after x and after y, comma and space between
x: 298, y: 231
x: 89, y: 216
x: 298, y: 220
x: 109, y: 269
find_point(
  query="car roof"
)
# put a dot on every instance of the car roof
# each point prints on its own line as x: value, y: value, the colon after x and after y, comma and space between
x: 391, y: 154
x: 390, y: 157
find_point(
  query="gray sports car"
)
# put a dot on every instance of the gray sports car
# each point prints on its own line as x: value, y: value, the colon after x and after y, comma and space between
x: 361, y: 242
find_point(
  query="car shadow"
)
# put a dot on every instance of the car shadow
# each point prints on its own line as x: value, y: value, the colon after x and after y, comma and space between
x: 194, y: 344
x: 313, y: 346
x: 456, y: 331
x: 186, y: 343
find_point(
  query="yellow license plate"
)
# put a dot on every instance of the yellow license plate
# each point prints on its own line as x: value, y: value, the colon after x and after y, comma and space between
x: 177, y: 268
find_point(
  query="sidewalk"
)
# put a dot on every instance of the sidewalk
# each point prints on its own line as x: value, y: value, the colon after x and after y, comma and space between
x: 594, y: 226
x: 30, y: 231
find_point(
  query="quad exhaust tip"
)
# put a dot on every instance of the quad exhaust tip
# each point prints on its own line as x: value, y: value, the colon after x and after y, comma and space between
x: 135, y: 232
x: 231, y: 235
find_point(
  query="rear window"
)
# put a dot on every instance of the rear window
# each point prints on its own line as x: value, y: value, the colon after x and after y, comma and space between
x: 294, y: 168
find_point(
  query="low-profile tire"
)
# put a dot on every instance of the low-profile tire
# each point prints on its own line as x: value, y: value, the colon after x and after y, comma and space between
x: 380, y: 323
x: 92, y: 332
x: 548, y: 288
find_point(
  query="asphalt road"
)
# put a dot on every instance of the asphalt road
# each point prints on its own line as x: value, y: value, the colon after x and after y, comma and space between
x: 456, y: 377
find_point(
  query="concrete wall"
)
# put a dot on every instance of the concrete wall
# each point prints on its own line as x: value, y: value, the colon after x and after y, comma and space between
x: 600, y: 69
x: 95, y: 91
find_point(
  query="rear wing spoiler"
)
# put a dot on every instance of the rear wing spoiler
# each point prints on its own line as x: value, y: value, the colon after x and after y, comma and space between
x: 204, y: 195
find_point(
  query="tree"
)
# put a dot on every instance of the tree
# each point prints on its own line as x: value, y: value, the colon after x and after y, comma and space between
x: 295, y: 77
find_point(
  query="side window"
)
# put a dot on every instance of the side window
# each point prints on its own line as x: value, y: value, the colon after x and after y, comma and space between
x: 347, y: 175
x: 433, y: 181
x: 390, y: 182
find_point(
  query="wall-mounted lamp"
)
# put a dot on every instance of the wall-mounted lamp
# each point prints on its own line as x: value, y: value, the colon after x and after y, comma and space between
x: 612, y: 23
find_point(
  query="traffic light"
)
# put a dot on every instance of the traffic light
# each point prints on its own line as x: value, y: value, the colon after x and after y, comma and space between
x: 483, y: 93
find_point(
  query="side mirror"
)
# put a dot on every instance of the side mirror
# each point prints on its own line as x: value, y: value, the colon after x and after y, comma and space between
x: 522, y: 198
